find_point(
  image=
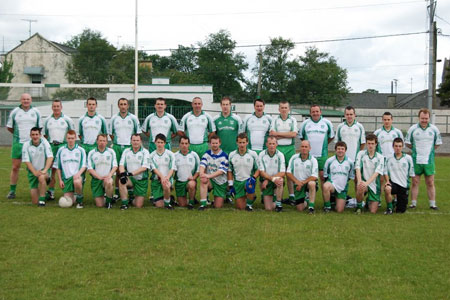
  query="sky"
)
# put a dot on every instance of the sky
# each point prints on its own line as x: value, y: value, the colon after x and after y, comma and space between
x: 370, y: 63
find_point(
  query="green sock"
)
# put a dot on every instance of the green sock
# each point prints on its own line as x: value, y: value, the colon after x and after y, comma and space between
x: 125, y: 202
x: 42, y: 199
x: 327, y: 204
x: 52, y: 189
x: 12, y: 188
x: 116, y: 191
x: 166, y: 202
x: 108, y: 199
x: 311, y: 204
x: 307, y: 202
x: 191, y: 202
x: 359, y: 205
x: 249, y: 202
x: 389, y: 205
x: 79, y: 198
x: 203, y: 202
x: 291, y: 197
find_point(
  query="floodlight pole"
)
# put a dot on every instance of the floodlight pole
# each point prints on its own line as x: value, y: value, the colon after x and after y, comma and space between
x: 136, y: 63
x: 29, y: 25
x: 431, y: 55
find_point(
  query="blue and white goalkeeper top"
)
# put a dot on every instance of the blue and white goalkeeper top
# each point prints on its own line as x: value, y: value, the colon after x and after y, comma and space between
x: 213, y: 162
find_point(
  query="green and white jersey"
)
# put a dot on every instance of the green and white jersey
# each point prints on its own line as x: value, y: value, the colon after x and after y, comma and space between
x: 36, y: 155
x: 102, y: 162
x: 123, y: 128
x: 317, y: 133
x: 91, y: 127
x: 243, y: 166
x: 400, y: 170
x: 303, y: 169
x: 228, y: 128
x: 167, y: 124
x: 70, y: 161
x: 353, y: 135
x: 288, y: 125
x: 257, y: 130
x: 339, y: 172
x: 370, y: 165
x: 198, y: 127
x: 423, y: 142
x: 22, y: 121
x: 186, y: 165
x: 132, y: 161
x: 271, y: 164
x: 385, y: 139
x: 55, y: 129
x: 163, y: 162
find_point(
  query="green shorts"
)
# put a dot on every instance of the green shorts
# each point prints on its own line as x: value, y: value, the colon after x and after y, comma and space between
x: 219, y: 190
x: 302, y: 193
x: 88, y: 148
x: 181, y: 188
x: 55, y: 148
x: 119, y: 150
x: 152, y: 146
x: 427, y: 170
x: 270, y: 189
x: 97, y: 187
x: 321, y: 162
x: 200, y: 149
x: 16, y: 150
x: 239, y: 187
x: 157, y: 190
x: 33, y: 180
x: 288, y: 151
x: 68, y: 184
x: 371, y: 196
x: 140, y: 187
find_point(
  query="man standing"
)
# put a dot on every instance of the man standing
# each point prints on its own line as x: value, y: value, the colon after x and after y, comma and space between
x: 91, y: 125
x: 352, y: 133
x: 70, y: 162
x: 423, y: 138
x: 38, y: 157
x: 102, y: 165
x: 228, y: 126
x: 303, y: 170
x: 197, y: 126
x: 386, y: 135
x: 20, y: 121
x: 272, y: 170
x: 55, y: 129
x: 187, y: 167
x: 160, y: 122
x: 257, y: 126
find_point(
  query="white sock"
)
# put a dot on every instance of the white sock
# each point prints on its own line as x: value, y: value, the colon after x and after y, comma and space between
x: 432, y: 203
x: 414, y: 202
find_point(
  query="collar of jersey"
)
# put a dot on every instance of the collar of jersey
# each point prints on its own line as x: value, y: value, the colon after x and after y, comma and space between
x: 237, y: 151
x: 315, y: 121
x: 138, y: 150
x: 67, y: 146
x: 345, y: 158
x: 128, y: 113
x: 189, y: 151
x: 20, y: 106
x: 156, y: 114
x: 261, y: 115
x: 102, y: 151
x: 403, y: 155
x: 267, y: 151
x: 428, y: 125
x: 229, y: 116
x: 368, y: 155
x: 201, y: 113
x: 53, y: 116
x: 309, y: 157
x: 87, y: 115
x: 287, y: 118
x: 354, y: 122
x: 40, y: 141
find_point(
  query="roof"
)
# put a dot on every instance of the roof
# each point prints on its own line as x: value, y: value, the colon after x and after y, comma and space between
x: 325, y: 112
x: 60, y: 47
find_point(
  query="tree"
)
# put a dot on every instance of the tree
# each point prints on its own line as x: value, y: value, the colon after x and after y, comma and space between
x: 444, y: 89
x: 5, y: 77
x: 184, y: 59
x: 370, y: 91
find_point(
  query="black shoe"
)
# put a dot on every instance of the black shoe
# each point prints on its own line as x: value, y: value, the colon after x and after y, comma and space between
x: 279, y: 208
x: 202, y: 207
x: 412, y: 206
x: 434, y: 207
x: 310, y: 211
x: 123, y: 207
x: 326, y: 210
x: 80, y: 205
x: 114, y: 199
x: 150, y: 199
x: 169, y: 207
x: 108, y: 205
x: 11, y: 195
x: 388, y: 211
x: 41, y: 203
x: 190, y: 207
x: 195, y: 201
x: 249, y: 208
x: 49, y: 196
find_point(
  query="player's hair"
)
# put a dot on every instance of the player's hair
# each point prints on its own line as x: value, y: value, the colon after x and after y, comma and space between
x: 349, y: 107
x: 71, y: 132
x: 340, y: 144
x: 258, y: 100
x: 102, y: 135
x: 242, y: 135
x: 122, y: 99
x: 185, y: 138
x: 425, y: 111
x: 35, y: 129
x: 314, y: 105
x: 161, y: 137
x: 214, y: 137
x: 271, y: 138
x: 397, y: 140
x: 372, y: 137
x: 225, y: 98
x: 388, y: 114
x: 197, y: 97
x: 136, y: 134
x: 285, y: 102
x: 91, y: 99
x: 160, y: 99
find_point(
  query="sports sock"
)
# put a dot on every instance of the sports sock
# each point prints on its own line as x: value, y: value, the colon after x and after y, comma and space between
x: 278, y: 203
x: 42, y: 199
x: 359, y: 205
x: 291, y: 196
x: 167, y: 202
x: 12, y: 188
x: 51, y: 190
x: 191, y: 202
x: 327, y: 204
x: 414, y: 202
x: 125, y: 202
x: 116, y: 191
x: 389, y: 205
x: 79, y: 198
x: 432, y: 203
x: 108, y: 199
x: 203, y: 202
x: 249, y: 202
x: 307, y: 201
x: 311, y: 204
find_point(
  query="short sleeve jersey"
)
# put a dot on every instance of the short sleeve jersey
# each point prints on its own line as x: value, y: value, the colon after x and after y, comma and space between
x: 56, y: 128
x: 370, y: 165
x: 400, y: 170
x: 271, y: 164
x: 90, y: 127
x: 353, y: 135
x: 186, y: 165
x: 36, y: 154
x: 163, y: 162
x: 22, y: 121
x: 70, y: 161
x: 288, y: 125
x: 257, y: 129
x: 123, y: 128
x: 212, y: 162
x: 102, y: 161
x: 167, y: 124
x: 132, y: 161
x: 423, y: 142
x: 317, y: 133
x: 303, y: 169
x: 339, y: 172
x: 243, y: 166
x: 227, y: 129
x: 385, y: 139
x: 198, y: 127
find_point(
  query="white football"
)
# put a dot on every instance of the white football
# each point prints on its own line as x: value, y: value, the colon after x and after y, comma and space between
x: 65, y: 202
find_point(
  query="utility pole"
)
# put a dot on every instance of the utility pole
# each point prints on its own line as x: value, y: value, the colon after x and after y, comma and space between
x: 431, y: 55
x: 136, y: 64
x: 29, y: 28
x: 259, y: 73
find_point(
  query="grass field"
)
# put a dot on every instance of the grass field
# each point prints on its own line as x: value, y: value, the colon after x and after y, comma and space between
x: 93, y: 253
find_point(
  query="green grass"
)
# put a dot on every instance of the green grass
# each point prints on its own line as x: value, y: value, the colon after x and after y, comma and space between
x: 54, y: 253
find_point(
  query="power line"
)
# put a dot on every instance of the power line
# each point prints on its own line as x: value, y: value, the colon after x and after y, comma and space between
x: 441, y: 19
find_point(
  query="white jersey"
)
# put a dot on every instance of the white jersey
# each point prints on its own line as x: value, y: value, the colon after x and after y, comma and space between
x: 36, y: 155
x: 385, y: 139
x: 354, y: 136
x: 123, y: 128
x: 423, y: 142
x: 303, y: 169
x: 90, y: 127
x: 400, y: 170
x: 257, y: 129
x: 213, y: 162
x: 22, y: 121
x: 70, y: 161
x: 162, y: 162
x: 243, y: 166
x: 370, y: 165
x: 271, y: 164
x: 102, y: 162
x: 317, y: 133
x: 167, y: 124
x: 198, y: 127
x: 132, y: 161
x: 186, y: 165
x: 55, y: 129
x: 288, y: 125
x: 339, y: 172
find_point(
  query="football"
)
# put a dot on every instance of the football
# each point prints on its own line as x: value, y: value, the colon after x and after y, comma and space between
x: 65, y: 202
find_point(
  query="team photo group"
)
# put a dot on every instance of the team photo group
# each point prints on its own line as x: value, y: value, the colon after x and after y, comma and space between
x: 222, y: 158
